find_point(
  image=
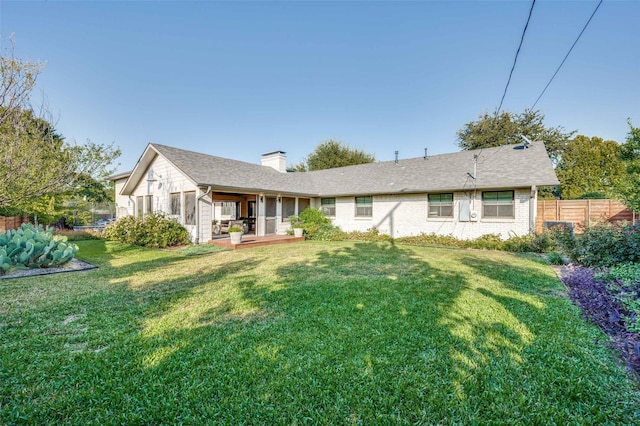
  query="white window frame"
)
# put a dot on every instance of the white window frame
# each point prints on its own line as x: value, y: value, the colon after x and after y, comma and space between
x: 498, y: 203
x: 439, y: 205
x: 329, y: 209
x: 190, y: 217
x: 364, y: 209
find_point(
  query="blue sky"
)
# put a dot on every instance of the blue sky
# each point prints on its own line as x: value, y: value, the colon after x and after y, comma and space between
x: 238, y: 79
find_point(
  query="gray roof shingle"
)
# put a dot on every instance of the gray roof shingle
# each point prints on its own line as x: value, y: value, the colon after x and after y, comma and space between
x: 509, y: 166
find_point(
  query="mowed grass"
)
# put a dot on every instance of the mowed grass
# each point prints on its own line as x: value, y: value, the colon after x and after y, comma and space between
x: 309, y: 333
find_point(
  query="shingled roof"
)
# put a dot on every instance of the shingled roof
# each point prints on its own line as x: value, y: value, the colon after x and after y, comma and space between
x: 509, y: 166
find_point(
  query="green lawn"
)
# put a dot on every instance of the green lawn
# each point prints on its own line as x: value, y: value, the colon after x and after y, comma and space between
x: 309, y: 333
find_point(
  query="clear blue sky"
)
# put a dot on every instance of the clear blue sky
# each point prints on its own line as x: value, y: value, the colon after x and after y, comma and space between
x: 238, y: 79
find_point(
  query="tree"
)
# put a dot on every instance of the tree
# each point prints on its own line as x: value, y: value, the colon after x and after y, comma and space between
x: 35, y: 161
x: 590, y: 168
x: 630, y: 155
x: 331, y: 154
x: 507, y: 128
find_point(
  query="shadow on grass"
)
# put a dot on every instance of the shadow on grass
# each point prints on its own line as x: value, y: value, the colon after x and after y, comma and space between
x: 358, y: 333
x: 363, y: 333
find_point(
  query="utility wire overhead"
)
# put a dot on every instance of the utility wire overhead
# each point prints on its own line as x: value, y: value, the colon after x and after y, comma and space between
x: 516, y: 57
x: 567, y: 55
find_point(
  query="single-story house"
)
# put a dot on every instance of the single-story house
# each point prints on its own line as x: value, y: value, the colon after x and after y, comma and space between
x: 465, y: 194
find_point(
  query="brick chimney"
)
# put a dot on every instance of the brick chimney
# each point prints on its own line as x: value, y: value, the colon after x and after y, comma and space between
x: 276, y: 159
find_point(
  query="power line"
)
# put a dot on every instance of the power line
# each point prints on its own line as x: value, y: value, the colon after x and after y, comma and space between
x: 516, y: 57
x: 567, y: 55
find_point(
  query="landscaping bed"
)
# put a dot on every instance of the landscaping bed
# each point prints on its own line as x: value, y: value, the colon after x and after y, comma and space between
x: 602, y: 300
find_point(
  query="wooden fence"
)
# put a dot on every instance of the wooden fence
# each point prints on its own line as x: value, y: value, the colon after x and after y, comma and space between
x: 583, y: 212
x: 11, y: 222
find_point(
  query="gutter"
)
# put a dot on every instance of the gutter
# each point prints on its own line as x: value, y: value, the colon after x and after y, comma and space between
x: 198, y: 213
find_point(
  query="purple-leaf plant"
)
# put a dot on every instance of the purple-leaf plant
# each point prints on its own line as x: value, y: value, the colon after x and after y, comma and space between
x: 600, y: 306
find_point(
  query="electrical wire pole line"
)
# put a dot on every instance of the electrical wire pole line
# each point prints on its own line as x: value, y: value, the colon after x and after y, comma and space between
x: 567, y: 55
x: 533, y: 3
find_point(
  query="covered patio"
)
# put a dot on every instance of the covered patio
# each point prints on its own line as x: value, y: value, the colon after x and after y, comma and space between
x: 249, y: 241
x: 262, y: 214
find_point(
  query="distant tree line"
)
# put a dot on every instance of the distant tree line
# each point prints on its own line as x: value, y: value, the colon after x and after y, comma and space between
x: 587, y: 167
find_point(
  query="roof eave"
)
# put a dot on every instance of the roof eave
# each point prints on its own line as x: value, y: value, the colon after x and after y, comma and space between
x: 254, y: 190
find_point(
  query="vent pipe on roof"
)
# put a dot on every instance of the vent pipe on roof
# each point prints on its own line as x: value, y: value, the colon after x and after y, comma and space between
x: 425, y: 153
x: 396, y: 157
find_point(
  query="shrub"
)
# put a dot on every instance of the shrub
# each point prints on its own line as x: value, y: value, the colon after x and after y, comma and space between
x: 235, y: 229
x: 314, y: 216
x: 154, y: 230
x: 518, y: 243
x: 324, y: 232
x: 31, y: 247
x: 563, y: 238
x: 371, y: 234
x: 526, y: 243
x: 543, y: 243
x: 319, y: 227
x: 488, y: 241
x: 607, y: 244
x: 555, y: 258
x: 434, y: 239
x: 78, y: 235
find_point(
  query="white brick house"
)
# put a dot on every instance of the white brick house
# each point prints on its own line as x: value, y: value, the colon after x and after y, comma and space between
x: 465, y: 194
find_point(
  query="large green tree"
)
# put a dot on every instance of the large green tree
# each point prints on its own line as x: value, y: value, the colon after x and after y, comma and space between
x: 36, y: 161
x: 590, y: 168
x: 331, y: 154
x: 506, y: 128
x: 630, y: 154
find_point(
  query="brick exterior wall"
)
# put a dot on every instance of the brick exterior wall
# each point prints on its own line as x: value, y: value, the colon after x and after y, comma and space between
x: 7, y: 223
x: 403, y: 215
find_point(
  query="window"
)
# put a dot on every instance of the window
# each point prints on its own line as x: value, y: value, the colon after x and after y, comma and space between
x: 328, y: 206
x: 190, y: 208
x: 364, y: 206
x: 139, y: 206
x: 303, y: 204
x: 174, y: 208
x: 441, y: 205
x: 288, y: 208
x: 228, y: 209
x: 149, y: 206
x: 497, y: 204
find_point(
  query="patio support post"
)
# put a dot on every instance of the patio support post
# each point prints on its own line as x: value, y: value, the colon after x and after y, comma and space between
x: 261, y: 223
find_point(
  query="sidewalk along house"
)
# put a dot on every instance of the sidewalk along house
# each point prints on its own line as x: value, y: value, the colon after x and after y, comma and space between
x: 465, y: 194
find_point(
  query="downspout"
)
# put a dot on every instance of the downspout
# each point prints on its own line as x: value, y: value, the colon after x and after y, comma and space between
x: 533, y: 209
x: 198, y: 213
